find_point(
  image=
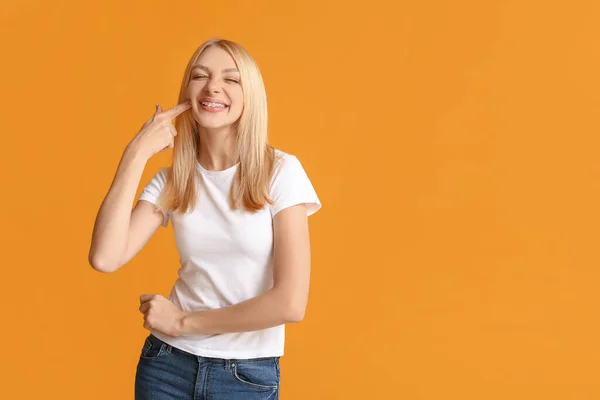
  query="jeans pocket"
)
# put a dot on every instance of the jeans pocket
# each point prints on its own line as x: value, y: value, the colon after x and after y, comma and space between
x: 153, y: 348
x: 263, y: 375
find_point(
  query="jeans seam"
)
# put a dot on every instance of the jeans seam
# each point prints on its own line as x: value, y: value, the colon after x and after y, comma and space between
x: 160, y: 350
x: 256, y: 385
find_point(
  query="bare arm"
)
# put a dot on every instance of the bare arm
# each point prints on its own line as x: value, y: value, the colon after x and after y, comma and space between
x: 111, y: 229
x: 119, y: 233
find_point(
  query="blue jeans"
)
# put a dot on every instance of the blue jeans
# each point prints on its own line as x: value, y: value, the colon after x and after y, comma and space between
x: 165, y: 372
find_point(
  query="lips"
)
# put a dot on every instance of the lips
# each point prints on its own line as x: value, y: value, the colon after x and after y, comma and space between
x: 212, y: 100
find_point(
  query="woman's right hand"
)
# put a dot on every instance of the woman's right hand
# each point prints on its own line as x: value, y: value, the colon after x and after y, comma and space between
x: 158, y: 133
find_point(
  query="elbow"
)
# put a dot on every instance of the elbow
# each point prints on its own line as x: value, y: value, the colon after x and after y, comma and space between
x: 294, y: 313
x: 290, y: 307
x: 100, y: 265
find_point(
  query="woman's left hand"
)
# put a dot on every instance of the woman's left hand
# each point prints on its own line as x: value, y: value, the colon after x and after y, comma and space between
x: 161, y: 315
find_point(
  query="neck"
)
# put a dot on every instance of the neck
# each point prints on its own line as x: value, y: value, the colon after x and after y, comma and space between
x: 217, y: 147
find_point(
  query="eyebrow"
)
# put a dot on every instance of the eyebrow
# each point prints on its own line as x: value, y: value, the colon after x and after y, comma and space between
x: 206, y: 68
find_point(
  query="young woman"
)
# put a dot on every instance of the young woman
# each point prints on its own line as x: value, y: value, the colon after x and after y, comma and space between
x: 239, y: 209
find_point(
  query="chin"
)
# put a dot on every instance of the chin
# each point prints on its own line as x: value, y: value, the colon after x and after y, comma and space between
x: 214, y: 125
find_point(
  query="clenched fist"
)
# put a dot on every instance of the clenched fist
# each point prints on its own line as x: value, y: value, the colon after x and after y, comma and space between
x: 161, y: 315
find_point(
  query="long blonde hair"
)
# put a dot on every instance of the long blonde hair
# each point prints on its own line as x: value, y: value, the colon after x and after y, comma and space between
x: 251, y: 184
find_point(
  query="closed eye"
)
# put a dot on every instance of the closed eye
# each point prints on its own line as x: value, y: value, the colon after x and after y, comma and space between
x: 204, y: 76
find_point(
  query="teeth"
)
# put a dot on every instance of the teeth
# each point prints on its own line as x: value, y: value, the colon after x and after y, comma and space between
x: 212, y: 104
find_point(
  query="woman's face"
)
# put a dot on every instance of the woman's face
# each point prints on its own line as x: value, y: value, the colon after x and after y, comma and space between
x: 215, y: 89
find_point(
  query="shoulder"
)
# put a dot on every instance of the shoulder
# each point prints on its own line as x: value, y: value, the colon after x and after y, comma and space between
x: 158, y: 180
x: 283, y: 162
x: 163, y: 174
x: 291, y: 185
x: 280, y: 155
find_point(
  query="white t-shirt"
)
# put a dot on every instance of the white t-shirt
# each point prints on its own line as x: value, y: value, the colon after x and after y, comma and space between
x: 226, y: 255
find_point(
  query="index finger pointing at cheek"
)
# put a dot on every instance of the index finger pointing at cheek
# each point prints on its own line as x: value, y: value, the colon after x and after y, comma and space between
x: 178, y: 109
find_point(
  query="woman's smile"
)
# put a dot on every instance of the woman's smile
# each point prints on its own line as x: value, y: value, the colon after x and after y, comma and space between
x: 212, y: 107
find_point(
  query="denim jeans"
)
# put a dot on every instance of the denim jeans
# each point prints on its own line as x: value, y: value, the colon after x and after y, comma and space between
x: 165, y: 372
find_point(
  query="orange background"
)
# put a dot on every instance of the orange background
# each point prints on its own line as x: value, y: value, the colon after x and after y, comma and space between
x: 453, y: 145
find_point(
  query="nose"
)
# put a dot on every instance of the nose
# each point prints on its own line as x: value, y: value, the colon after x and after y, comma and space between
x: 212, y: 86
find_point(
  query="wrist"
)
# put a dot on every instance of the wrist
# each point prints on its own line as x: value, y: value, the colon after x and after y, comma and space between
x: 133, y: 153
x: 183, y: 323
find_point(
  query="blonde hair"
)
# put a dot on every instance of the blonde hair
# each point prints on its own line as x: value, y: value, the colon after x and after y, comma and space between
x: 251, y: 184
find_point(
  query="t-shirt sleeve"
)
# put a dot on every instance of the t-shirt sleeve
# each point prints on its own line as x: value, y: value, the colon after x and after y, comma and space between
x: 291, y: 185
x: 153, y: 189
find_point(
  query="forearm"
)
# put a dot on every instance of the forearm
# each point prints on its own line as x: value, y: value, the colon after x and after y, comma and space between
x: 261, y: 312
